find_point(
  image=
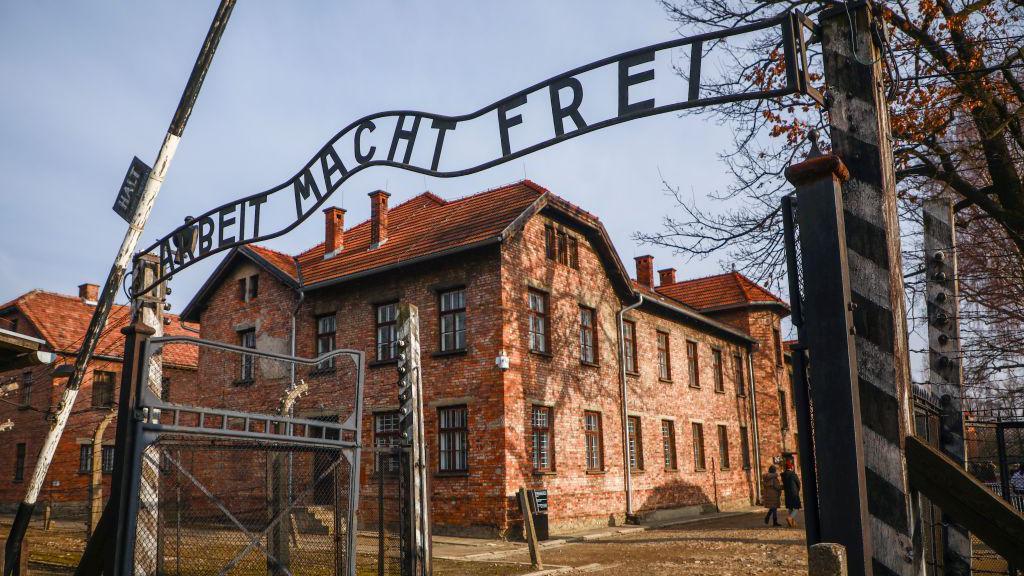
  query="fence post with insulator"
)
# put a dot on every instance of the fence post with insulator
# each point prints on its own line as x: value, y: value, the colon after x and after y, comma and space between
x: 415, y: 517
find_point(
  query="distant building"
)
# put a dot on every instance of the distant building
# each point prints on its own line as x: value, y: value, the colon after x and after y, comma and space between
x: 60, y: 322
x: 520, y: 273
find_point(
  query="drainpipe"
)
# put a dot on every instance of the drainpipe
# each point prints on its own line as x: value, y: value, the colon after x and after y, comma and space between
x: 753, y: 420
x: 628, y: 474
x: 291, y: 385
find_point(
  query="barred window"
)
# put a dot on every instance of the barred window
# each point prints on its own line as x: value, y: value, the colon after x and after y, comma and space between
x: 453, y: 320
x: 741, y: 385
x: 588, y: 335
x: 698, y: 447
x: 107, y: 457
x: 542, y: 440
x: 716, y: 363
x: 26, y: 388
x: 19, y: 462
x: 777, y: 340
x: 387, y: 331
x: 453, y: 439
x: 549, y: 242
x: 103, y: 389
x: 745, y: 447
x: 723, y: 446
x: 574, y: 253
x: 668, y: 443
x: 636, y: 443
x: 783, y: 411
x: 84, y: 458
x: 664, y: 360
x: 538, y: 303
x: 563, y: 248
x: 248, y: 288
x: 594, y: 441
x: 629, y: 345
x: 248, y: 340
x: 692, y: 367
x: 326, y: 338
x: 385, y: 435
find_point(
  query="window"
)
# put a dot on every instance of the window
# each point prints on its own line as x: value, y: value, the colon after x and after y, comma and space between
x: 783, y: 411
x: 102, y: 389
x: 668, y: 443
x: 387, y: 331
x: 594, y: 441
x: 247, y: 338
x: 563, y: 248
x: 664, y: 361
x: 19, y: 462
x: 723, y: 447
x: 636, y: 443
x: 248, y: 288
x: 26, y: 388
x: 716, y: 362
x: 777, y: 340
x: 549, y: 242
x: 165, y: 389
x: 692, y: 369
x: 574, y: 253
x: 745, y: 447
x: 629, y: 345
x: 588, y: 335
x: 326, y: 330
x: 84, y: 458
x: 453, y: 320
x: 741, y: 386
x: 541, y: 441
x: 385, y: 435
x: 539, y: 337
x: 698, y: 447
x: 107, y: 456
x: 453, y: 441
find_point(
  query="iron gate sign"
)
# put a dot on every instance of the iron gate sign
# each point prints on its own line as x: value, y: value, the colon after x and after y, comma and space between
x: 417, y: 141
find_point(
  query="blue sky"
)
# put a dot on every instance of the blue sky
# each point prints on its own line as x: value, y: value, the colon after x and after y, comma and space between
x: 88, y: 85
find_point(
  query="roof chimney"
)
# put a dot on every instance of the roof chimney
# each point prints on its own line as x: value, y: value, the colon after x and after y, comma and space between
x: 645, y: 270
x: 666, y: 276
x: 378, y: 217
x: 89, y: 293
x: 334, y: 231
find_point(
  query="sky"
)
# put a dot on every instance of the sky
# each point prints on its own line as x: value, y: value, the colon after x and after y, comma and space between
x: 87, y: 86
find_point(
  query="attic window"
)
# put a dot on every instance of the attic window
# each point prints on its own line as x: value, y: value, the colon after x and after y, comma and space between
x: 561, y: 247
x: 248, y: 288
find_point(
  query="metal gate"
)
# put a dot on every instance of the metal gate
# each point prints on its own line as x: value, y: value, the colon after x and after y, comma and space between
x: 214, y: 489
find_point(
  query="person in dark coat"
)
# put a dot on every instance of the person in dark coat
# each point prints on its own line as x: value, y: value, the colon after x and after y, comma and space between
x: 791, y: 489
x: 771, y: 495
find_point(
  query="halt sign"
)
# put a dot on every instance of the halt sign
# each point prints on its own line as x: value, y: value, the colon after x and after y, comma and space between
x: 131, y: 189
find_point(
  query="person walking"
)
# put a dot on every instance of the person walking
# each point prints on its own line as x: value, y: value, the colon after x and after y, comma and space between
x: 791, y: 489
x: 1017, y: 480
x: 771, y: 495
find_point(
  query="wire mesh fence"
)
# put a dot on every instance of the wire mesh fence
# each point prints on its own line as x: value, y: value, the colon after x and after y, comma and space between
x: 983, y: 462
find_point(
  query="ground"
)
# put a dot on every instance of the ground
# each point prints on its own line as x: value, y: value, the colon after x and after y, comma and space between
x: 738, y: 544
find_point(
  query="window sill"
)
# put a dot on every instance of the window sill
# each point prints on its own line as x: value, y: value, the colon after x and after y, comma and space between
x: 243, y: 382
x: 741, y: 395
x: 461, y: 474
x: 665, y: 380
x: 24, y: 406
x: 672, y: 470
x: 722, y: 391
x: 590, y: 364
x: 636, y: 471
x: 597, y: 472
x: 545, y: 473
x: 444, y: 353
x: 700, y: 469
x: 376, y: 363
x: 633, y: 374
x: 725, y: 469
x: 547, y: 355
x: 697, y: 387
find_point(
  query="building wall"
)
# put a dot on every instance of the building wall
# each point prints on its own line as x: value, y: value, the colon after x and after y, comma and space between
x: 561, y: 381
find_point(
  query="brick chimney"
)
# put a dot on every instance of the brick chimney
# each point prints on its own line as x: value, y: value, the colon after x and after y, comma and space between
x: 666, y: 276
x: 89, y: 293
x: 334, y: 231
x: 378, y: 217
x: 645, y: 270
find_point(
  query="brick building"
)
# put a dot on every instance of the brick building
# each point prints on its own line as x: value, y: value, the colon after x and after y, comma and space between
x: 61, y: 321
x: 517, y: 272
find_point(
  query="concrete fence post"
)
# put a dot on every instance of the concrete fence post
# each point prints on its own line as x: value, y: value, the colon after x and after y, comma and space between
x: 826, y: 559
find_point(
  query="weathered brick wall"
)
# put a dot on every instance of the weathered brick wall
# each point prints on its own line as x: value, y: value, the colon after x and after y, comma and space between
x: 570, y: 387
x: 465, y: 501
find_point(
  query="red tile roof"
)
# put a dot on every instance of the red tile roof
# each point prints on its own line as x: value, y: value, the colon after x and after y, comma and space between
x: 63, y: 320
x: 721, y: 291
x: 421, y: 226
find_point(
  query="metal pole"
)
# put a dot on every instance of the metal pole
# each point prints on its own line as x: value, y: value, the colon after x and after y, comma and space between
x: 416, y: 552
x: 113, y: 282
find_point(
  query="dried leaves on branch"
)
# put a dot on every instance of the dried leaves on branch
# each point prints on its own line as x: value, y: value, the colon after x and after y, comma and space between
x: 955, y: 87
